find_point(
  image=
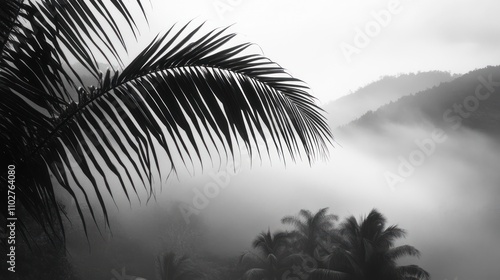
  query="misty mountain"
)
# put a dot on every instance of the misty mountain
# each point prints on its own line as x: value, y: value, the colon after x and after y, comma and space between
x: 471, y: 100
x: 383, y: 91
x: 446, y: 177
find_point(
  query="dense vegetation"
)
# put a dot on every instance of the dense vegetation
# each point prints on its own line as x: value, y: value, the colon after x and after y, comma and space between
x: 311, y: 246
x: 317, y: 249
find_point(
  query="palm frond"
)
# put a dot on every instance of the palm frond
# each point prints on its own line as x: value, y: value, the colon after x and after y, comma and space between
x: 306, y: 214
x: 188, y: 92
x: 271, y: 243
x: 402, y: 251
x: 366, y: 249
x: 372, y: 225
x: 296, y: 222
x: 413, y: 271
x: 389, y: 235
x: 322, y: 221
x: 38, y: 41
x: 350, y: 228
x: 9, y: 20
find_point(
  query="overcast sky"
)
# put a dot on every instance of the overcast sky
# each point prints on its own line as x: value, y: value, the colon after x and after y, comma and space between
x: 306, y: 37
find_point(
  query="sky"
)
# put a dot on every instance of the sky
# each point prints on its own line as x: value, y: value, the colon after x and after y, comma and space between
x: 319, y: 41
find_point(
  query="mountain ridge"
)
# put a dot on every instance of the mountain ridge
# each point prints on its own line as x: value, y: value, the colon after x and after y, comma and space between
x: 450, y: 104
x: 376, y: 94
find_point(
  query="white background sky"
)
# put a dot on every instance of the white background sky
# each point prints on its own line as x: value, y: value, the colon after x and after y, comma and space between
x: 305, y: 37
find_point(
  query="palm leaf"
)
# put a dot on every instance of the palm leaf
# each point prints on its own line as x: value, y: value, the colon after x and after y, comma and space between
x: 413, y: 272
x: 402, y: 251
x: 37, y: 41
x: 387, y: 237
x: 186, y: 93
x: 271, y: 243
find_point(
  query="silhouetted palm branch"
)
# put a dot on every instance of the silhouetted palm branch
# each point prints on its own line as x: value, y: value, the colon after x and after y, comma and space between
x: 187, y: 92
x: 402, y: 251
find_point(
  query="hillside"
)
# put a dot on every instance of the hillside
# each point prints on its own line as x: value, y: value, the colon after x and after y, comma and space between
x: 469, y: 100
x: 383, y: 91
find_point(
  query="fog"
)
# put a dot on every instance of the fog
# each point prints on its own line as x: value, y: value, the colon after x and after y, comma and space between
x: 448, y: 205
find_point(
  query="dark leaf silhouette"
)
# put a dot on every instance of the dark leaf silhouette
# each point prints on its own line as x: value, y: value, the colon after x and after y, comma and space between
x: 271, y: 259
x: 368, y: 252
x: 187, y: 93
x: 311, y: 229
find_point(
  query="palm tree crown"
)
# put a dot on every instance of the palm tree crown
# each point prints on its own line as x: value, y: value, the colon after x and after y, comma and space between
x: 311, y: 229
x: 271, y: 256
x: 367, y: 252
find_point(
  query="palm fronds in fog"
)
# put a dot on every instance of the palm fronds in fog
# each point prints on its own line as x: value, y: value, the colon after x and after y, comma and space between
x: 188, y: 92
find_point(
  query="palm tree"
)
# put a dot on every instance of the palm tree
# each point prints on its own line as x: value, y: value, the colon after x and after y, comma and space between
x: 171, y: 267
x: 367, y: 252
x: 188, y: 93
x: 311, y: 230
x: 271, y: 259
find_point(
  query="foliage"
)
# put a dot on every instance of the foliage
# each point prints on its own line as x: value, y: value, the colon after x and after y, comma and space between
x: 272, y: 257
x: 310, y: 229
x: 187, y: 93
x: 355, y: 251
x: 171, y: 267
x: 367, y: 252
